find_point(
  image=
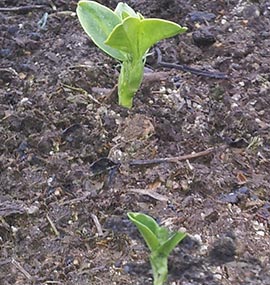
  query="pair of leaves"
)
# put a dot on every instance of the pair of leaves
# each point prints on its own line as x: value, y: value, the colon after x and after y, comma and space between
x: 126, y: 36
x: 123, y: 34
x: 98, y: 22
x: 136, y: 36
x: 158, y: 239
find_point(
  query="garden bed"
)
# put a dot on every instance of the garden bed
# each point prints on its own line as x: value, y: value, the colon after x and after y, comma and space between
x: 193, y: 152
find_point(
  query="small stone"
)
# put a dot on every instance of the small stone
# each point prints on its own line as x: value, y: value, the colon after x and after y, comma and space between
x: 260, y: 233
x: 198, y: 238
x: 218, y: 276
x: 234, y: 105
x: 14, y: 229
x: 32, y: 210
x: 251, y: 11
x: 35, y: 36
x: 5, y: 52
x: 201, y: 16
x: 223, y: 249
x: 13, y: 30
x: 223, y: 21
x: 203, y: 38
x: 241, y: 83
x: 76, y: 262
x: 25, y: 101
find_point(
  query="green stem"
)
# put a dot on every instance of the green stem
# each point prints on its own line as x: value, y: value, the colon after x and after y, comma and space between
x: 130, y: 79
x: 159, y: 264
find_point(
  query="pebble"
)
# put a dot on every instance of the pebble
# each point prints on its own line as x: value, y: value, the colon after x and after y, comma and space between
x: 241, y: 83
x: 5, y: 52
x: 25, y: 101
x: 234, y: 105
x: 260, y: 233
x: 198, y: 238
x: 203, y: 38
x: 251, y: 11
x: 218, y: 276
x: 258, y: 226
x: 13, y: 30
x: 33, y: 209
x: 223, y: 249
x: 35, y: 36
x: 201, y: 16
x: 14, y: 229
x: 223, y: 21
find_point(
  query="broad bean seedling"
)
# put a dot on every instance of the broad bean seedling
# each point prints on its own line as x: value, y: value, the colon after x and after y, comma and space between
x: 126, y: 36
x: 160, y: 242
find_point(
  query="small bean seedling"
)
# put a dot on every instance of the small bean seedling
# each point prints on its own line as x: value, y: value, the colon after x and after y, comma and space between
x: 160, y: 242
x: 126, y: 36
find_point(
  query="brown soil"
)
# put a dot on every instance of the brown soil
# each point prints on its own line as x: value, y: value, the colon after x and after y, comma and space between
x: 72, y: 162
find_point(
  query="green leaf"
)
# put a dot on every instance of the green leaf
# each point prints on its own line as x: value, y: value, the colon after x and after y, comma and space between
x: 148, y: 228
x: 123, y: 11
x: 98, y: 22
x: 125, y: 37
x: 160, y: 241
x: 163, y: 235
x: 154, y: 30
x: 136, y: 36
x: 171, y: 243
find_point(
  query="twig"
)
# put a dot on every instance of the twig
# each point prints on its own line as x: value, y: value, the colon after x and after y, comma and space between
x: 4, y: 118
x: 9, y: 70
x: 63, y: 13
x: 150, y: 193
x: 75, y: 200
x: 183, y: 67
x: 97, y: 224
x: 20, y: 268
x: 81, y: 90
x: 53, y: 226
x: 206, y: 73
x: 171, y: 159
x: 22, y: 9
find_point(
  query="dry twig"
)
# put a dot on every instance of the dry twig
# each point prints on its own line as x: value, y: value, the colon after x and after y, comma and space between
x: 22, y: 9
x: 150, y: 193
x: 174, y: 159
x: 53, y: 226
x: 20, y: 268
x: 185, y: 68
x: 97, y: 224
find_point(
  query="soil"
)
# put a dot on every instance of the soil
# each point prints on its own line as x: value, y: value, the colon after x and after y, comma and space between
x: 73, y: 163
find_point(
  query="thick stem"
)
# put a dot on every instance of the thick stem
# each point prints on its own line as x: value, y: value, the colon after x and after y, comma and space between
x: 129, y: 82
x: 159, y: 264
